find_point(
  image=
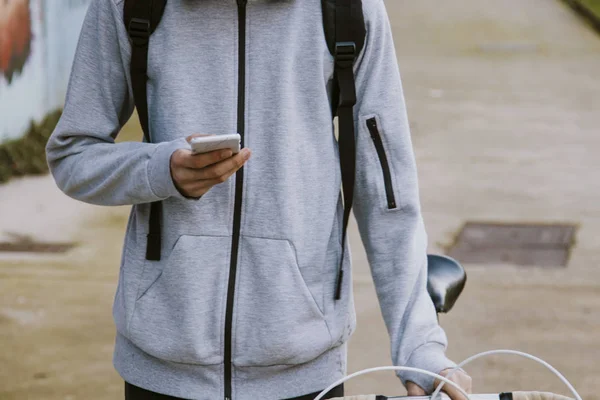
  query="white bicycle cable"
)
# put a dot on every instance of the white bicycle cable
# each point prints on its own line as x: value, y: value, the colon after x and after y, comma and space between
x: 445, y: 380
x: 392, y: 368
x: 508, y: 352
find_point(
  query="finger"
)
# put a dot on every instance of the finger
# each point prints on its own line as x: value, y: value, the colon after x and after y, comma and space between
x: 185, y: 176
x: 219, y: 171
x: 413, y: 389
x: 460, y: 377
x: 199, y: 188
x: 189, y: 138
x: 454, y: 393
x: 199, y: 161
x: 194, y: 184
x: 195, y: 190
x: 223, y: 169
x: 466, y: 383
x: 191, y: 176
x: 228, y: 174
x: 468, y: 386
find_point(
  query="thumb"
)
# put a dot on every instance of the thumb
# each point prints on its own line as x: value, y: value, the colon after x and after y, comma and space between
x: 414, y: 390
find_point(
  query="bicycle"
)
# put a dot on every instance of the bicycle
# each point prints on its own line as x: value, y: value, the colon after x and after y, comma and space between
x: 446, y: 280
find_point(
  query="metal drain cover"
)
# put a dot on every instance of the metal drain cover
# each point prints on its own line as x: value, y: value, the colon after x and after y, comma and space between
x: 26, y: 244
x: 519, y: 244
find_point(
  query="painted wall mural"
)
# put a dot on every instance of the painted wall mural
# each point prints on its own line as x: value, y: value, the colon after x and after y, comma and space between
x: 37, y: 42
x: 15, y: 36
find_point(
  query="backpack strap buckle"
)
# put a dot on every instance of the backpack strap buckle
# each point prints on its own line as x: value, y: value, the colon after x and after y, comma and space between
x: 345, y: 54
x: 139, y: 31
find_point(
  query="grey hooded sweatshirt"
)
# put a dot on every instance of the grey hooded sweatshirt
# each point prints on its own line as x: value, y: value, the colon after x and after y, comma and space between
x: 288, y: 334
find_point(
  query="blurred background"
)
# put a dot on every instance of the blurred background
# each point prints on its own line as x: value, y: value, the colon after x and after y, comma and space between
x: 504, y: 103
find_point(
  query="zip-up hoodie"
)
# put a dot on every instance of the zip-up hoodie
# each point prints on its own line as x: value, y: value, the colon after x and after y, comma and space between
x: 288, y: 333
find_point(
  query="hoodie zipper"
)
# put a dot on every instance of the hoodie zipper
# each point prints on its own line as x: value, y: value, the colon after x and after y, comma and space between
x: 387, y: 175
x: 237, y: 208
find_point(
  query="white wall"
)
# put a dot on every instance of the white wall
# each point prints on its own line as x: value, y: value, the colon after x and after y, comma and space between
x: 41, y: 86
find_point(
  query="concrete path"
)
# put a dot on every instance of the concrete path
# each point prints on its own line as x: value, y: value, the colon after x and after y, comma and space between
x: 504, y: 101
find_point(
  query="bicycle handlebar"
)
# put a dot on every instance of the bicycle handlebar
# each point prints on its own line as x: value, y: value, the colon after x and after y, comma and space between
x: 497, y: 396
x: 445, y: 381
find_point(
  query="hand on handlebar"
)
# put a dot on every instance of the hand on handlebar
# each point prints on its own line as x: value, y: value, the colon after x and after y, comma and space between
x: 459, y: 377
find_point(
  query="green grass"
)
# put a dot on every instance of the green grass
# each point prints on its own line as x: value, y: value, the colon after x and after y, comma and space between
x: 27, y: 155
x: 588, y: 9
x: 593, y: 5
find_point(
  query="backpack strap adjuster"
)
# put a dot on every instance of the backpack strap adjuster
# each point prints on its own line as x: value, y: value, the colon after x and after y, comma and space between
x: 345, y: 54
x: 141, y: 18
x: 139, y: 31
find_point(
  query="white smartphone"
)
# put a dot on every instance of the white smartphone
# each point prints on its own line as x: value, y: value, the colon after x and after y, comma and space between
x: 204, y: 144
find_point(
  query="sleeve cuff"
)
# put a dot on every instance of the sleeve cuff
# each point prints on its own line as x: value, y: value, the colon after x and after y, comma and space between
x: 159, y: 169
x: 429, y: 357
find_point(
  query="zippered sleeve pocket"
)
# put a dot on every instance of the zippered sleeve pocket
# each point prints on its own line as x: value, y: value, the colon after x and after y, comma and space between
x: 387, y: 176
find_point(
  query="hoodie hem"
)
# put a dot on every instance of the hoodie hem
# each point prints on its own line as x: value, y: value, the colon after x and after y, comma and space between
x: 205, y: 382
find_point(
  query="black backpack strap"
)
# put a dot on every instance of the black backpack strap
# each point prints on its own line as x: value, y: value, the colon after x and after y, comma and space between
x: 356, y: 30
x: 345, y: 39
x: 141, y: 18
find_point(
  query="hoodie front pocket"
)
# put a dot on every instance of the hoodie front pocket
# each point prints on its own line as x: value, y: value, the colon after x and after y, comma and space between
x: 373, y: 128
x: 179, y: 316
x: 277, y: 320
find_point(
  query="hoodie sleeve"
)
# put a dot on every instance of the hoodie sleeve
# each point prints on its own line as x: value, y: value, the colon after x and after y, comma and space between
x: 387, y: 206
x: 83, y: 157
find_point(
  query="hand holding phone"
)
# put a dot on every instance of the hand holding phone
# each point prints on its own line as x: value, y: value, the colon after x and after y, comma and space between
x: 195, y: 173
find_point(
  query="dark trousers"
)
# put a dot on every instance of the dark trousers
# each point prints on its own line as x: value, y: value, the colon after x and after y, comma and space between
x: 135, y: 393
